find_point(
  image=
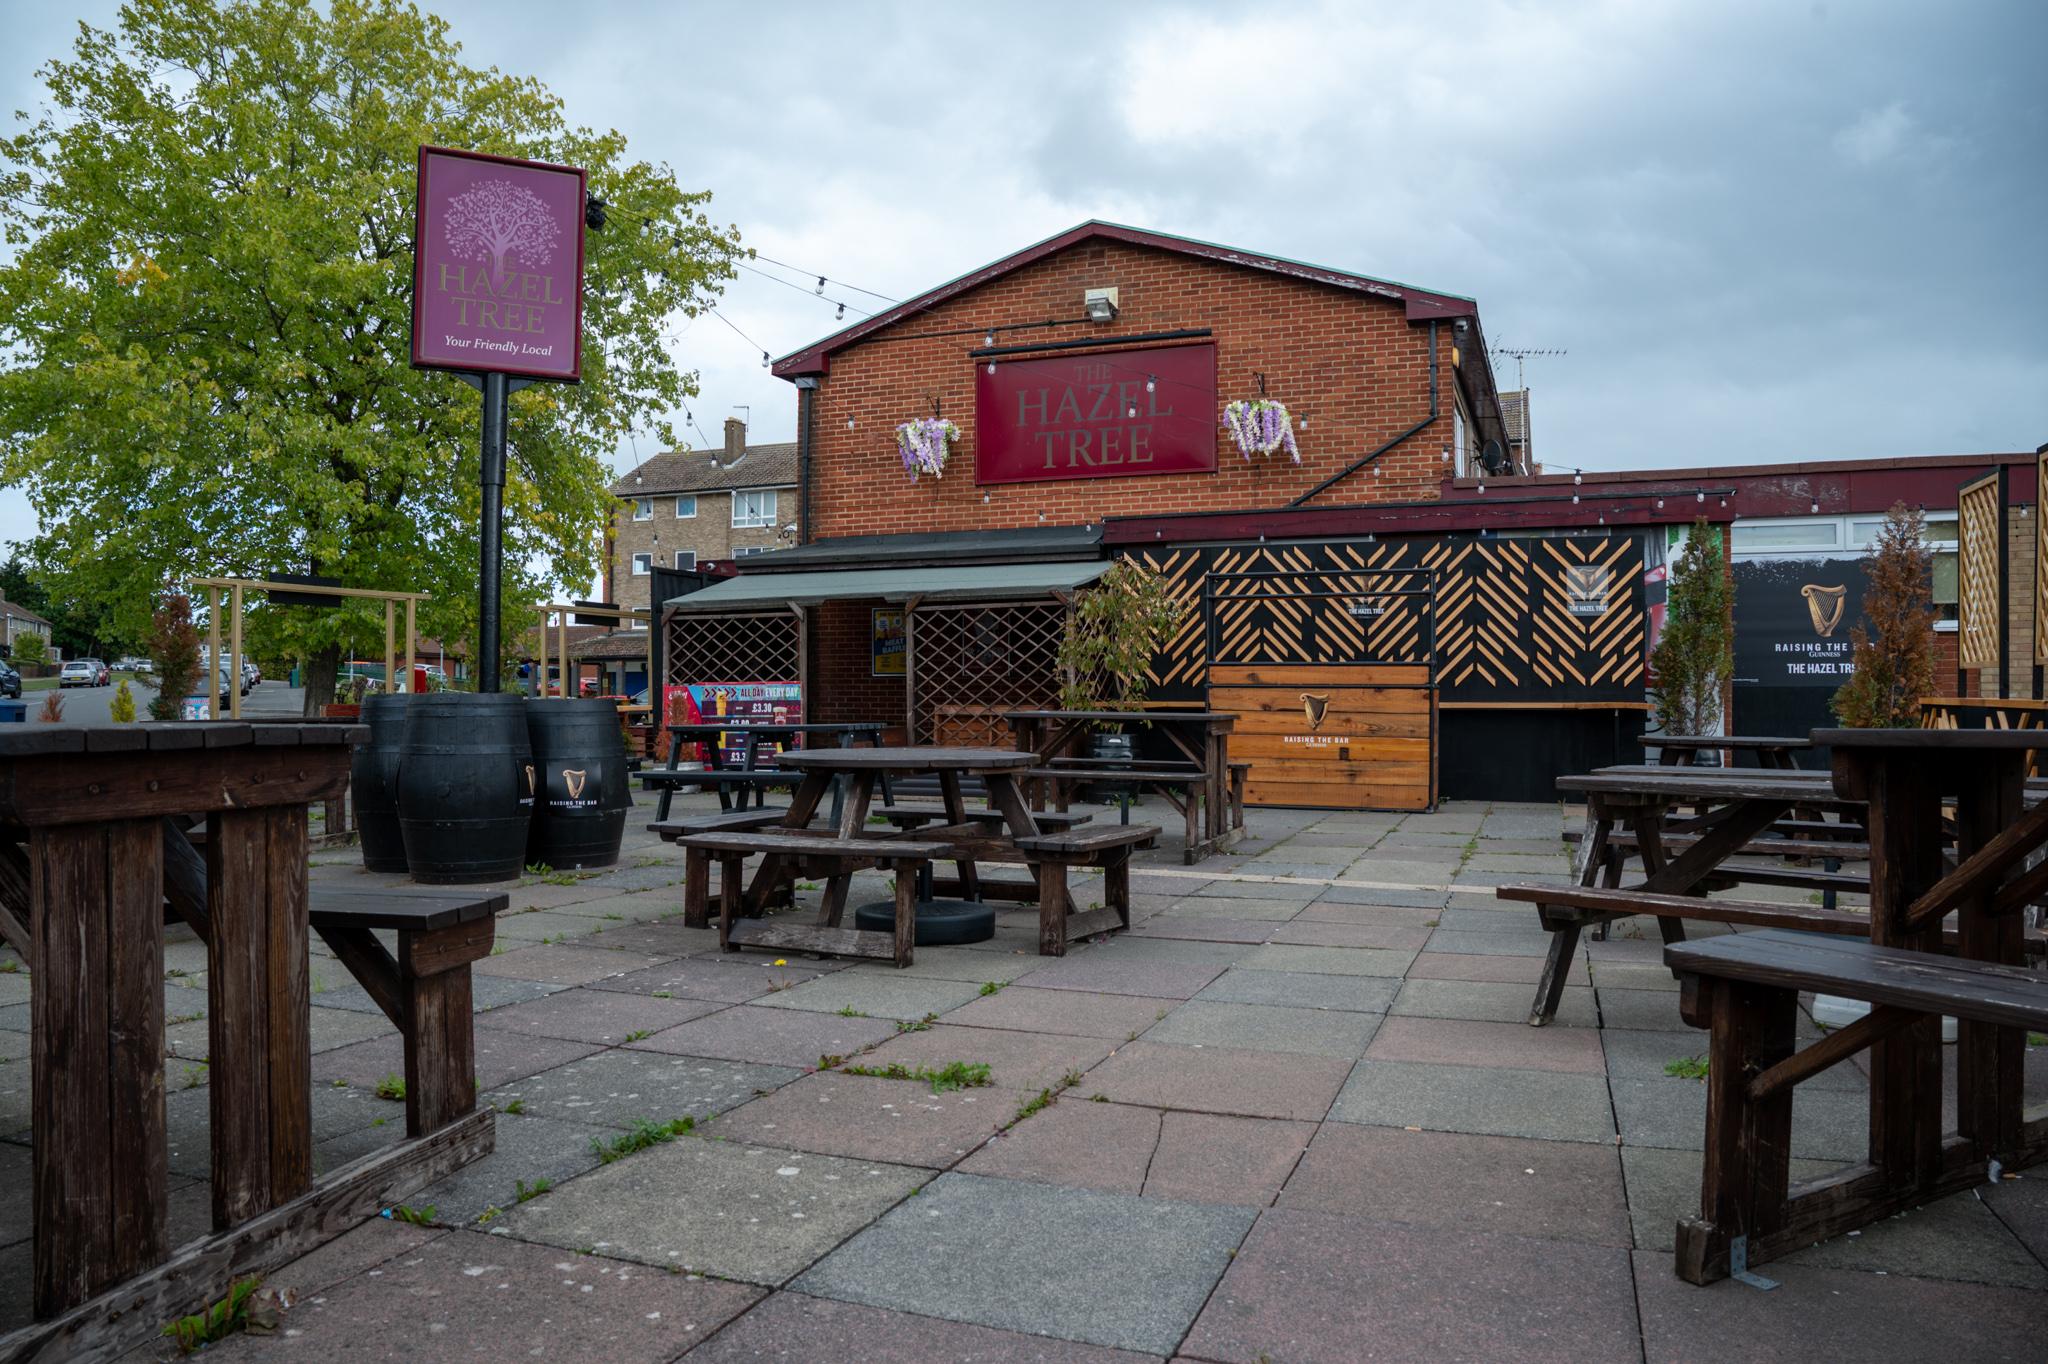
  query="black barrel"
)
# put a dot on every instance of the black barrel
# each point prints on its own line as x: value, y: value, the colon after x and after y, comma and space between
x: 373, y: 784
x: 580, y: 756
x: 466, y: 783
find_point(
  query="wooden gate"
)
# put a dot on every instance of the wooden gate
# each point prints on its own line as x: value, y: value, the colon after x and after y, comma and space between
x: 1333, y: 679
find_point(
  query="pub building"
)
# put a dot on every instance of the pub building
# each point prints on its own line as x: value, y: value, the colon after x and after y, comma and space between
x: 1400, y: 605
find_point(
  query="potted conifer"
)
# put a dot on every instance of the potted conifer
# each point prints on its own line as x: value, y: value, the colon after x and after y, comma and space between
x: 1695, y: 655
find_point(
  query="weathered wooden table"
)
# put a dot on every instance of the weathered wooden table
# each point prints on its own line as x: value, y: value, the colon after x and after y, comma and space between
x: 1682, y: 750
x: 82, y: 898
x: 1203, y: 737
x: 847, y: 734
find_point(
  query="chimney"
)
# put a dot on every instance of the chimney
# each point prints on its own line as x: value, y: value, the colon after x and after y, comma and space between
x: 735, y: 441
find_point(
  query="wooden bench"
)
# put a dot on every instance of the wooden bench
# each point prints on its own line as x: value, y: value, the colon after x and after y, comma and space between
x: 425, y: 989
x: 1108, y: 847
x: 814, y: 854
x: 725, y: 780
x: 1182, y: 786
x: 697, y: 871
x: 1744, y: 990
x: 916, y: 816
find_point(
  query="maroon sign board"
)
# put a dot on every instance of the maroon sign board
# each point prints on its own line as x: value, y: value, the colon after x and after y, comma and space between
x: 1109, y: 414
x: 498, y: 266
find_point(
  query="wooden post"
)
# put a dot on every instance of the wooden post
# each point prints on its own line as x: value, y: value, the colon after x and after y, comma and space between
x: 412, y: 645
x: 562, y: 648
x: 540, y: 666
x: 235, y: 653
x: 1990, y: 1061
x: 390, y: 654
x: 212, y: 692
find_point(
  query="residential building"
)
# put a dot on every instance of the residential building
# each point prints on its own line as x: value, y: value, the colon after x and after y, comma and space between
x: 17, y: 620
x: 691, y: 508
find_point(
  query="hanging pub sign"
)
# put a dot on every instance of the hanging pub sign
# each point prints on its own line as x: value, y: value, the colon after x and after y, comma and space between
x: 1110, y: 414
x: 1792, y: 621
x: 498, y: 266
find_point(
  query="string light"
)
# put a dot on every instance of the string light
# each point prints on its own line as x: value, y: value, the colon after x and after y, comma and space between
x: 1151, y: 384
x: 1699, y: 497
x: 849, y: 423
x: 764, y: 359
x: 1578, y: 477
x: 1814, y: 509
x: 991, y: 367
x: 821, y: 285
x: 840, y: 314
x: 989, y: 340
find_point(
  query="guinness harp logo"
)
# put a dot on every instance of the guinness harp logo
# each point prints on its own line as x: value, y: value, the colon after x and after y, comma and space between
x: 574, y: 781
x: 529, y: 779
x: 1585, y: 588
x: 1824, y: 604
x: 1315, y: 708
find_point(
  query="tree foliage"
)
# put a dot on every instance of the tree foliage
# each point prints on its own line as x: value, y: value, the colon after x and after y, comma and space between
x: 1894, y: 658
x: 204, y: 329
x: 1695, y: 656
x: 121, y: 709
x: 31, y: 650
x: 174, y: 652
x: 1118, y: 625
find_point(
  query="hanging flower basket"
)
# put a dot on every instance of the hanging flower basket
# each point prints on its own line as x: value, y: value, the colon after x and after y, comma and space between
x: 1261, y: 426
x: 923, y: 442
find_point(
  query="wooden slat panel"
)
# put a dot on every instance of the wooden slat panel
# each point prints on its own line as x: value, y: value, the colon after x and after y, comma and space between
x: 135, y: 1032
x: 1365, y: 759
x: 1979, y: 609
x: 1318, y: 675
x: 1335, y: 796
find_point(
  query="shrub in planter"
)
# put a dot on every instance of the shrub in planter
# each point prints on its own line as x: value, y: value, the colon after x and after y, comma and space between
x: 1695, y: 655
x: 1894, y: 658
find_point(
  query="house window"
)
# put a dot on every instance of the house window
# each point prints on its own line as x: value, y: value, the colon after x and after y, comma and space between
x: 643, y: 509
x: 686, y: 507
x: 643, y: 564
x: 755, y: 507
x: 744, y: 550
x: 686, y: 558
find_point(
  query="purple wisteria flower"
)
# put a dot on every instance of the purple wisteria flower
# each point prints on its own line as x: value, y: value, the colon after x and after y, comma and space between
x: 1261, y: 426
x: 922, y: 442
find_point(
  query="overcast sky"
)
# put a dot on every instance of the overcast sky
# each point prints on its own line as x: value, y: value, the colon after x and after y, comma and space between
x: 1762, y: 231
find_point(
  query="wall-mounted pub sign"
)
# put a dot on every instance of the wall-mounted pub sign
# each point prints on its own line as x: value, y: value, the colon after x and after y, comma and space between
x: 1108, y: 414
x: 498, y: 269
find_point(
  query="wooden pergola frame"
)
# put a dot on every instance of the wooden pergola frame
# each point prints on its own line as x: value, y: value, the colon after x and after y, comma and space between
x: 235, y: 587
x: 562, y: 614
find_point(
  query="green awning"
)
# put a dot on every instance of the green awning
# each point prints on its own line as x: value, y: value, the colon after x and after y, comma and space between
x: 967, y: 582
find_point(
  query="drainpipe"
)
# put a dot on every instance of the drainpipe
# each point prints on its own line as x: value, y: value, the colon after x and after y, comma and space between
x: 807, y: 406
x: 1416, y: 429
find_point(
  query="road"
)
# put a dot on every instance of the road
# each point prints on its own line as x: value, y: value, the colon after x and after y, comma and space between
x: 88, y: 705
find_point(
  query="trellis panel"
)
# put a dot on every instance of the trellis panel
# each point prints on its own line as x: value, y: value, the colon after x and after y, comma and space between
x: 969, y: 663
x: 1979, y: 608
x: 757, y: 646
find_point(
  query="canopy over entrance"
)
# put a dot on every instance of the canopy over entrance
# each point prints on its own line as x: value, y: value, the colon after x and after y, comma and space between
x: 963, y: 582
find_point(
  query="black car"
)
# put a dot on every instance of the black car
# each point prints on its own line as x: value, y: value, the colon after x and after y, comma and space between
x: 10, y: 681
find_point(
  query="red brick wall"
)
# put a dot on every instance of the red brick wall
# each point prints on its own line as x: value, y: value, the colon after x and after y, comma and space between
x: 842, y: 691
x: 1349, y: 362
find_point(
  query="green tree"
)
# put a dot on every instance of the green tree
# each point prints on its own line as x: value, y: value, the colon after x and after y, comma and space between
x: 1695, y: 656
x: 1894, y: 658
x: 121, y: 709
x: 1117, y: 626
x: 31, y: 649
x: 204, y: 329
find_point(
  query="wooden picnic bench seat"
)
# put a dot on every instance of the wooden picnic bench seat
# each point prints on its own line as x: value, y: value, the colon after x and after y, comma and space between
x: 1767, y: 846
x: 912, y: 816
x: 696, y: 870
x: 1744, y: 989
x: 425, y: 988
x: 819, y: 851
x: 1107, y: 846
x: 1182, y: 786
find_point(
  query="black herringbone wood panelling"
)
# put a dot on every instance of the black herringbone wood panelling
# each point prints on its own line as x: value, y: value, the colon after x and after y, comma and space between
x: 1506, y: 629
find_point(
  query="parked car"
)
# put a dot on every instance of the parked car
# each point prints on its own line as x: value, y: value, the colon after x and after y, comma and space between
x: 133, y: 663
x: 10, y: 682
x: 81, y: 672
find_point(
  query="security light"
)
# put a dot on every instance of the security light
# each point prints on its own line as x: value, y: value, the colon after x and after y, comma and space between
x: 1100, y: 305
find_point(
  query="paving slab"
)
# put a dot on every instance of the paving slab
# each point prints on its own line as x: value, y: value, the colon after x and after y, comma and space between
x: 1256, y: 890
x: 795, y: 1328
x: 1100, y: 973
x: 1257, y: 1084
x: 876, y: 996
x: 1464, y: 1042
x: 1571, y: 1191
x: 1325, y: 1289
x: 1075, y: 1143
x: 560, y: 965
x: 1313, y: 933
x: 1328, y: 961
x: 617, y: 1088
x: 1216, y: 1158
x: 1489, y: 1002
x: 1379, y: 865
x: 869, y: 1118
x: 467, y: 1295
x: 1476, y: 967
x: 958, y: 963
x: 486, y: 993
x: 1536, y: 944
x: 666, y: 939
x: 1893, y: 1317
x: 1664, y: 1185
x: 361, y: 1248
x: 1131, y: 1273
x: 1643, y: 1054
x: 730, y: 979
x: 1134, y: 950
x: 1622, y: 975
x: 758, y: 1214
x: 1290, y: 989
x: 501, y: 1058
x: 1265, y: 1027
x: 544, y: 925
x: 1827, y: 1124
x: 529, y: 1148
x: 1029, y: 1061
x: 1385, y: 897
x: 2021, y: 1202
x: 1485, y: 1100
x: 1654, y: 1010
x: 188, y: 1121
x: 781, y: 1037
x: 1075, y: 1013
x: 606, y: 1017
x: 1236, y: 910
x: 1205, y: 928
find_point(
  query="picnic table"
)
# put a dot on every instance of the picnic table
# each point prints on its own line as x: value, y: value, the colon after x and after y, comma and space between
x: 748, y: 775
x: 91, y: 815
x: 1204, y: 782
x: 1683, y: 750
x: 1011, y: 835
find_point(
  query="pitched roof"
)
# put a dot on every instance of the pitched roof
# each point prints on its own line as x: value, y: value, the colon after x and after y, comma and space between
x: 1422, y: 304
x: 693, y: 471
x: 20, y: 612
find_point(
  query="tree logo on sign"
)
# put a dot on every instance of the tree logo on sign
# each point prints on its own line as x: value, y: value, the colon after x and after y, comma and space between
x: 498, y: 219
